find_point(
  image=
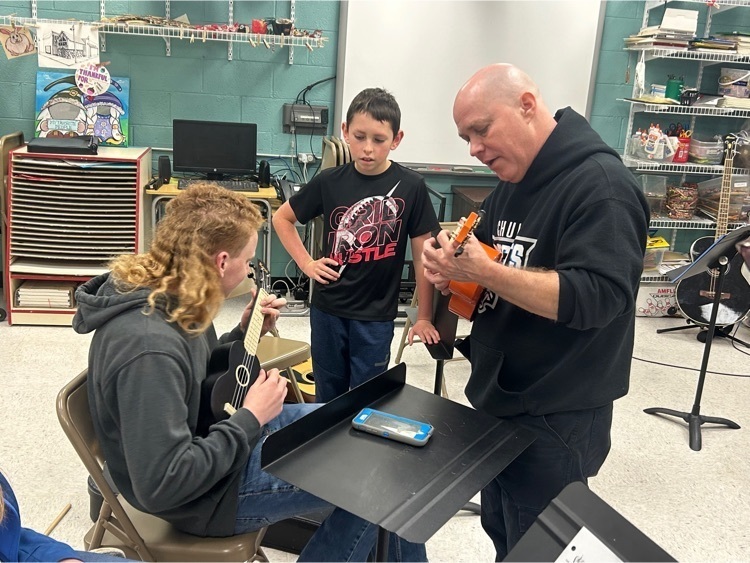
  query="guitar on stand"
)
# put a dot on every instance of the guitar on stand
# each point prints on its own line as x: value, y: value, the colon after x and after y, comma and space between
x: 695, y: 295
x: 466, y: 295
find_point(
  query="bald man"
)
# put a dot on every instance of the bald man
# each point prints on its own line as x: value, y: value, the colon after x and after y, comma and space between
x: 551, y: 344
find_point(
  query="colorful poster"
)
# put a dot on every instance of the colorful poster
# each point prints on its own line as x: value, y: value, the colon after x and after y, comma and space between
x: 67, y: 45
x: 62, y: 110
x: 17, y: 41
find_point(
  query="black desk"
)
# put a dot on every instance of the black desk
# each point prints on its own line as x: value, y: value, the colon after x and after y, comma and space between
x: 411, y: 491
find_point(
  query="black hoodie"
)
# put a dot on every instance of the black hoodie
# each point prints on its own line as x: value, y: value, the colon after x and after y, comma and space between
x: 144, y: 387
x: 577, y: 211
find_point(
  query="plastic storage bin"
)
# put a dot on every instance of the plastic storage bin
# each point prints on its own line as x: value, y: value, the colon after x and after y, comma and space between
x: 706, y: 152
x: 655, y: 249
x: 655, y: 190
x: 709, y: 196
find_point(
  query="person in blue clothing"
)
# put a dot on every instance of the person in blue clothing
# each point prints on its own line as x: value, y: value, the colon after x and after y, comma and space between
x: 24, y: 544
x: 370, y: 207
x: 551, y: 344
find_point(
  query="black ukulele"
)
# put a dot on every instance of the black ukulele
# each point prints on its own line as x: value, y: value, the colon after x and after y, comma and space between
x: 695, y: 295
x: 232, y: 369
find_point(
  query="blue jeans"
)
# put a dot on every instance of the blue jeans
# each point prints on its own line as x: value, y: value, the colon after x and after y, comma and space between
x: 265, y: 499
x: 346, y: 353
x: 570, y: 446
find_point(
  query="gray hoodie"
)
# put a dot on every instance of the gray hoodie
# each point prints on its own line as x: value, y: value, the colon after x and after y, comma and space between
x: 144, y: 388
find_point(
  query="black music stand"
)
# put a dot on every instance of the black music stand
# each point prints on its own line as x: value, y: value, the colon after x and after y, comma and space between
x: 559, y: 528
x: 414, y: 490
x: 446, y: 323
x: 717, y: 256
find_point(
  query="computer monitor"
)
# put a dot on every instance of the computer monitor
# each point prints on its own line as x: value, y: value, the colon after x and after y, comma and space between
x: 214, y: 148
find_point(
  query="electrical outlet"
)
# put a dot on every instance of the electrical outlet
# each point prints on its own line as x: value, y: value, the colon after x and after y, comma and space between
x: 305, y: 158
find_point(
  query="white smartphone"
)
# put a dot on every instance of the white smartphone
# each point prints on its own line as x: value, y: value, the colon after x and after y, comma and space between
x: 398, y: 428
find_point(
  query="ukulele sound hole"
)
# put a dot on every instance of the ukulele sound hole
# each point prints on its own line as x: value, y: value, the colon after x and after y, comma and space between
x: 242, y: 375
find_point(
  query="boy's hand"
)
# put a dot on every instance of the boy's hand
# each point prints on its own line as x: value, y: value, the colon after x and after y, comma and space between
x: 265, y: 397
x: 426, y: 332
x: 323, y: 270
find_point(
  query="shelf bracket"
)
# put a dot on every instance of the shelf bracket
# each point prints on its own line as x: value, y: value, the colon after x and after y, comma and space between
x: 102, y: 36
x: 230, y: 20
x: 291, y: 45
x: 168, y: 40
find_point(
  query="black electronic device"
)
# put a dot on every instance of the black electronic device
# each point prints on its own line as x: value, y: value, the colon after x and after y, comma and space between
x: 213, y: 148
x: 285, y: 190
x: 165, y: 169
x: 85, y: 144
x: 264, y: 174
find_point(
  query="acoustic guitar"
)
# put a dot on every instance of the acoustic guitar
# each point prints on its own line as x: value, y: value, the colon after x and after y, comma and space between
x: 695, y: 295
x: 466, y: 295
x: 303, y: 373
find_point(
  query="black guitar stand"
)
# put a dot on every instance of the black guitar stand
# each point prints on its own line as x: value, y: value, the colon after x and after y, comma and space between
x: 719, y: 332
x: 715, y: 257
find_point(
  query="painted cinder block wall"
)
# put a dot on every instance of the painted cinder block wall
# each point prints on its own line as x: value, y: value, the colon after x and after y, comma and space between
x: 198, y: 81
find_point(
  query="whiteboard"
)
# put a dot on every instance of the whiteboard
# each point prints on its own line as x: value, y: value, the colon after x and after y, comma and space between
x: 423, y: 51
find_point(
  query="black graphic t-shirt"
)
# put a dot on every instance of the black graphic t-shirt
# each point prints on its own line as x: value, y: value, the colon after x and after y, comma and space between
x: 366, y: 223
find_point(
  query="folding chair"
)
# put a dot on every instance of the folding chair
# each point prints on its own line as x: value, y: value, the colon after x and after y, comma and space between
x: 283, y: 354
x: 140, y: 535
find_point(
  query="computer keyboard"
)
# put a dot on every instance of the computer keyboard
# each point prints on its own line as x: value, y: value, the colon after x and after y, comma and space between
x: 234, y: 185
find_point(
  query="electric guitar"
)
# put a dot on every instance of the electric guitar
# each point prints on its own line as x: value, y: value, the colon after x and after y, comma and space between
x: 466, y: 295
x: 232, y: 369
x: 695, y: 295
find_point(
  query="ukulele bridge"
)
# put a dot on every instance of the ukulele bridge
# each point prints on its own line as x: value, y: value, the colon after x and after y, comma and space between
x: 712, y: 294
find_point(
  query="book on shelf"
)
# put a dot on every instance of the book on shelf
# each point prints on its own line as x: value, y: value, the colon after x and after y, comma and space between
x: 732, y: 102
x: 741, y: 40
x: 666, y: 40
x: 676, y: 30
x: 709, y: 44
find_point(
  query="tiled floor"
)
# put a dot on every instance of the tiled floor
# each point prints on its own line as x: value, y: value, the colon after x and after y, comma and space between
x: 696, y: 505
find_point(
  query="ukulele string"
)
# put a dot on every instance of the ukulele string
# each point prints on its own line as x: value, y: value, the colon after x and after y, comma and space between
x: 248, y: 362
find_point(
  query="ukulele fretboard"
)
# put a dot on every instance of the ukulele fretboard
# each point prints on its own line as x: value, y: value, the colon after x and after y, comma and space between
x: 255, y: 324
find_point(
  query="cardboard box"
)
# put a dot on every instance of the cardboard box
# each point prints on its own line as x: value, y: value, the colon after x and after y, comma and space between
x: 656, y: 300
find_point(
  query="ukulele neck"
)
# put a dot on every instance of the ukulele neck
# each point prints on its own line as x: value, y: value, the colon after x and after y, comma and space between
x: 255, y: 324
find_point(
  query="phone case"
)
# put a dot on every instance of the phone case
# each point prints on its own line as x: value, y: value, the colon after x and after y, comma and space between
x: 393, y: 427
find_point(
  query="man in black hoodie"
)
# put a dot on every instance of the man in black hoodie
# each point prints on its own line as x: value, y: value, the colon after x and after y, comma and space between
x: 551, y: 344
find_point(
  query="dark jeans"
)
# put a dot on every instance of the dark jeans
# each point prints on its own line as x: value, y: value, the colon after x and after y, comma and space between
x: 570, y: 446
x: 346, y: 353
x: 265, y: 499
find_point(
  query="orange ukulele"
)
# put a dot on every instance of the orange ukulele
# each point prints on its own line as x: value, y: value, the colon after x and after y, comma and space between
x: 466, y: 295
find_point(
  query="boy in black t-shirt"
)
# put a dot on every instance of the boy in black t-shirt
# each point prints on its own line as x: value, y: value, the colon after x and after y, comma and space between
x: 369, y: 206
